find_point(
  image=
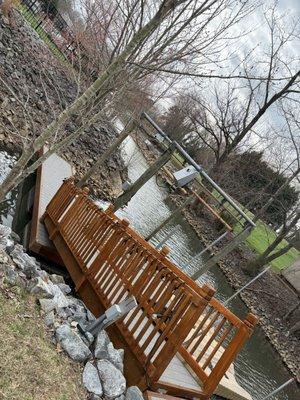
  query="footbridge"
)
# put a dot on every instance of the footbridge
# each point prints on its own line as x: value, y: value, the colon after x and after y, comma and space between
x: 179, y: 339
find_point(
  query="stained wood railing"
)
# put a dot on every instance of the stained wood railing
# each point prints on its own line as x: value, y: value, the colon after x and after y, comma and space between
x: 109, y: 261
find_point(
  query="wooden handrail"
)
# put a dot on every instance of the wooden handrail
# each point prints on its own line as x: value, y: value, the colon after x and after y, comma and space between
x: 174, y: 314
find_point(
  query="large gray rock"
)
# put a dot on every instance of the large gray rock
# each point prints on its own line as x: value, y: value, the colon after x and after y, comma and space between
x: 60, y: 300
x: 91, y: 380
x: 56, y: 279
x: 49, y: 319
x: 104, y: 350
x: 79, y: 313
x: 5, y: 233
x: 102, y: 341
x: 113, y: 381
x: 64, y: 288
x: 47, y: 305
x: 134, y: 393
x: 71, y: 342
x: 40, y: 288
x: 101, y: 344
x: 115, y: 357
x: 11, y: 276
x: 28, y: 264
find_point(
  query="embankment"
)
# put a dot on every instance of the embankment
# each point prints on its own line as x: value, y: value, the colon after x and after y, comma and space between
x: 34, y: 88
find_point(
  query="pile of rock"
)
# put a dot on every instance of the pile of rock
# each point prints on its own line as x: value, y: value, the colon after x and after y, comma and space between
x: 103, y: 364
x: 47, y: 86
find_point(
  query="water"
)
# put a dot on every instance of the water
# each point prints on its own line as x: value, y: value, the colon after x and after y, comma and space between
x: 258, y: 368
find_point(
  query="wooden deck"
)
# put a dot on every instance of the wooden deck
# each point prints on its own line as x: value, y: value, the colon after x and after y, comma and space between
x: 50, y: 176
x: 179, y: 338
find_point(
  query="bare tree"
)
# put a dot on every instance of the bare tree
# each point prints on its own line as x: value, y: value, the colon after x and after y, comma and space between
x: 234, y: 111
x: 135, y: 32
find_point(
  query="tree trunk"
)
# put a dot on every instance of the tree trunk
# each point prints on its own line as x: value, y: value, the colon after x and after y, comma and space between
x: 254, y: 266
x: 107, y: 153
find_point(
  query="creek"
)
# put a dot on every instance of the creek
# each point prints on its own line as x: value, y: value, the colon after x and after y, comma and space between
x: 258, y: 367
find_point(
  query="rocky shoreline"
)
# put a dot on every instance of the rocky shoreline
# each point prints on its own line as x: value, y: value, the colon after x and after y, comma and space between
x: 31, y: 74
x: 269, y: 298
x: 102, y: 375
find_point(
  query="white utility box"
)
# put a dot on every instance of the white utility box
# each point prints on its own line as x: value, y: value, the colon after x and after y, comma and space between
x: 185, y: 175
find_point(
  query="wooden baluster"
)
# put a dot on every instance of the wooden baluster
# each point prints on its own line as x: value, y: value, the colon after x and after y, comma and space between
x: 229, y: 354
x: 211, y: 339
x: 206, y: 330
x: 225, y: 334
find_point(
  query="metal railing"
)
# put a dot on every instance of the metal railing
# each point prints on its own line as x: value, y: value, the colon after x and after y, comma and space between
x: 199, y: 168
x: 46, y: 18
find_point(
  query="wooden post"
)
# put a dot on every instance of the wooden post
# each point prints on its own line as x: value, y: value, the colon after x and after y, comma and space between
x: 174, y: 214
x: 222, y: 253
x: 108, y: 152
x: 151, y: 171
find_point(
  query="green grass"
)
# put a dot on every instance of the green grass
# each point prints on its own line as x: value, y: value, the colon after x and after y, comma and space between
x: 32, y: 368
x: 31, y: 19
x: 261, y: 237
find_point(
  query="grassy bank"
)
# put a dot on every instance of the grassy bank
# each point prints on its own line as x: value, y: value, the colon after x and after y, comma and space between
x: 31, y: 367
x: 32, y: 20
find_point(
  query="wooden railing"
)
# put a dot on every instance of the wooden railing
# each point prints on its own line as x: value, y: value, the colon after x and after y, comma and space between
x: 174, y: 314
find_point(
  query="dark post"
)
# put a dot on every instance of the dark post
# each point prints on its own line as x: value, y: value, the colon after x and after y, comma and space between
x: 151, y: 171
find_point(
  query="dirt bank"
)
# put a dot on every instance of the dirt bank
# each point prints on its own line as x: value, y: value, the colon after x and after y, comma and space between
x: 269, y: 297
x: 45, y: 87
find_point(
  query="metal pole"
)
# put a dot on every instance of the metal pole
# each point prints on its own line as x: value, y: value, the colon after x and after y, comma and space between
x: 199, y: 169
x: 211, y: 245
x: 247, y: 284
x: 279, y: 389
x: 167, y: 237
x: 230, y: 246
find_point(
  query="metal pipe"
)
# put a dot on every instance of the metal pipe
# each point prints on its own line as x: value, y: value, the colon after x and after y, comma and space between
x: 211, y: 245
x: 199, y: 169
x: 247, y: 284
x: 279, y: 389
x: 167, y: 237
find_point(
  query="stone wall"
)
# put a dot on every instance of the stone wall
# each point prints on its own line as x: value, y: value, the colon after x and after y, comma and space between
x: 30, y: 70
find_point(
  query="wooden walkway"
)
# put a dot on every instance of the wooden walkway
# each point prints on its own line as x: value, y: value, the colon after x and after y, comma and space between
x: 179, y: 338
